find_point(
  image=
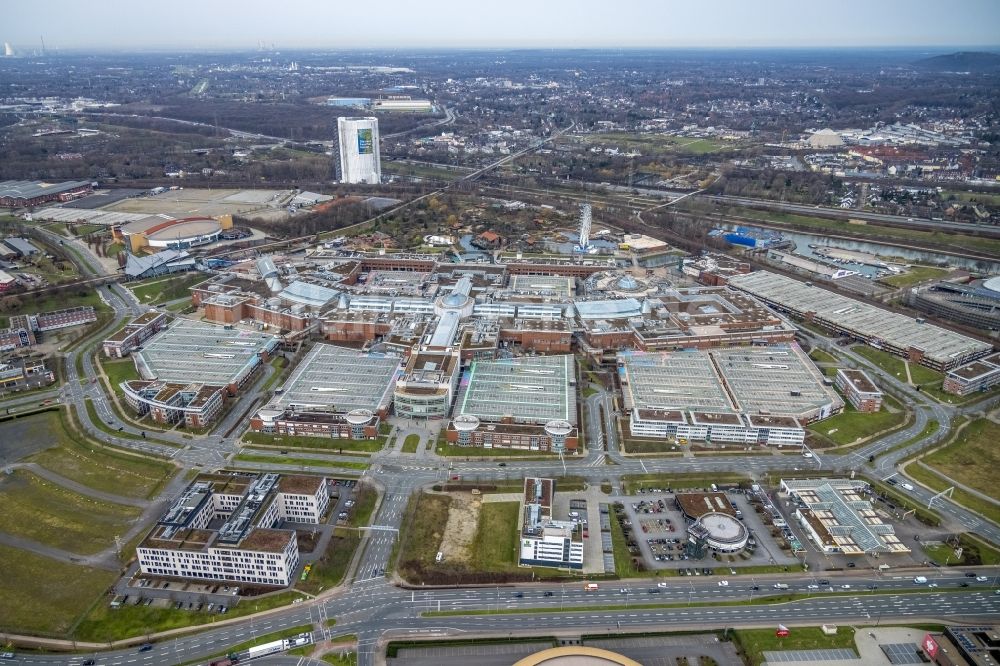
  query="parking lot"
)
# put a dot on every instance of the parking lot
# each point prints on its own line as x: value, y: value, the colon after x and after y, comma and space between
x: 657, y: 532
x: 584, y: 508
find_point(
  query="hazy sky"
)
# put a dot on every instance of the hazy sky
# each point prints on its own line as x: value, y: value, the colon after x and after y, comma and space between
x: 227, y: 24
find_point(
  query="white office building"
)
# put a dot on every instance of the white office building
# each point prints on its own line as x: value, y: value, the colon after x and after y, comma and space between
x: 252, y: 545
x: 546, y: 542
x: 358, y: 151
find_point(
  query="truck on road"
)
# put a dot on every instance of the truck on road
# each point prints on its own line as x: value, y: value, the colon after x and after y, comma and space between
x: 590, y: 587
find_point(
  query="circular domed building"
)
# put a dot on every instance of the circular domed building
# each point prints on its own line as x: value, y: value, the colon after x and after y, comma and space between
x: 576, y: 655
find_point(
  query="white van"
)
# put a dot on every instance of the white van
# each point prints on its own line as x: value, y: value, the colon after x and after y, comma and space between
x: 920, y: 580
x: 439, y: 557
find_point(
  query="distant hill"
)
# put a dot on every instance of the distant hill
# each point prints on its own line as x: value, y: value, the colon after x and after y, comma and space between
x: 963, y: 61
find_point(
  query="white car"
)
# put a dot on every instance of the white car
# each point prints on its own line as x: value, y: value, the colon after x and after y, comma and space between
x: 933, y: 585
x: 723, y: 583
x: 813, y: 587
x: 807, y: 455
x: 906, y: 486
x: 845, y: 587
x: 981, y: 579
x: 661, y: 585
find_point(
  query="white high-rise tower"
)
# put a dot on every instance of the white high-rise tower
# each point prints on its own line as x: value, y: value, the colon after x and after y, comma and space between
x: 585, y: 222
x: 357, y: 147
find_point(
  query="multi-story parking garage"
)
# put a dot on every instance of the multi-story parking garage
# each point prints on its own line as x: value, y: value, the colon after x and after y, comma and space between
x: 751, y: 395
x: 933, y: 346
x: 523, y: 403
x: 334, y: 392
x: 189, y: 352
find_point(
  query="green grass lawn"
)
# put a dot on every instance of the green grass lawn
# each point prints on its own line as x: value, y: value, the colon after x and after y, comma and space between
x: 329, y: 570
x: 930, y: 479
x: 422, y: 531
x: 119, y: 371
x: 32, y: 303
x: 915, y: 274
x: 923, y: 376
x: 636, y: 445
x: 851, y: 425
x: 496, y: 544
x: 423, y: 171
x: 159, y: 290
x: 888, y: 362
x: 292, y: 461
x: 36, y: 509
x: 974, y: 553
x: 821, y: 356
x: 42, y: 596
x: 411, y: 443
x: 99, y: 467
x: 341, y: 658
x: 972, y: 458
x: 757, y: 641
x: 104, y: 624
x: 329, y: 444
x: 85, y: 229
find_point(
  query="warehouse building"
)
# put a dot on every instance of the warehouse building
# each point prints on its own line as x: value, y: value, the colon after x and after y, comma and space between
x: 937, y: 348
x: 334, y: 392
x: 25, y: 193
x: 752, y: 395
x: 14, y: 247
x: 517, y: 403
x: 859, y: 389
x: 230, y: 528
x: 839, y: 517
x: 546, y: 542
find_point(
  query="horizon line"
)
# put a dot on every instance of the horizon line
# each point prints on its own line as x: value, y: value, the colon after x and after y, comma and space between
x: 55, y: 50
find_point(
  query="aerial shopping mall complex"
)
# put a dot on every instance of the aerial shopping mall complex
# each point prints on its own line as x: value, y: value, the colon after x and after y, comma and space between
x: 494, y: 351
